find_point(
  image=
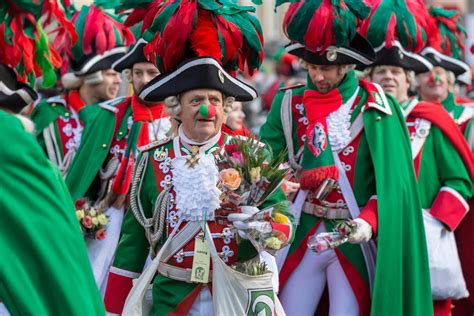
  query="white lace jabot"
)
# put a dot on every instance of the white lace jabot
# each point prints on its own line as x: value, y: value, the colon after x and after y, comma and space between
x: 339, y: 123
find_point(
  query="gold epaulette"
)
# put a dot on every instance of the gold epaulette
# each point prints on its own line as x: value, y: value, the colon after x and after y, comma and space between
x: 154, y: 144
x: 293, y: 86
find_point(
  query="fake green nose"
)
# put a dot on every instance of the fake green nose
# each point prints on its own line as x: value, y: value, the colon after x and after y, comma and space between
x: 207, y: 111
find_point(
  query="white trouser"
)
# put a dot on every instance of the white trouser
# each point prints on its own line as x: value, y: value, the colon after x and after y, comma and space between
x: 101, y: 252
x: 303, y: 290
x: 202, y: 306
x: 3, y: 310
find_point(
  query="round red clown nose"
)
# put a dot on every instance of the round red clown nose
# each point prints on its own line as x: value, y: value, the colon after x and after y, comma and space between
x: 207, y: 111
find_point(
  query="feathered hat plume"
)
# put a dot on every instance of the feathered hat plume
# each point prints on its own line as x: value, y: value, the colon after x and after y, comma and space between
x: 178, y: 30
x: 317, y: 24
x: 24, y: 45
x: 452, y: 34
x: 407, y: 21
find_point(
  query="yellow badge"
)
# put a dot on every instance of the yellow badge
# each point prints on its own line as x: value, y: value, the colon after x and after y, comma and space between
x: 201, y: 261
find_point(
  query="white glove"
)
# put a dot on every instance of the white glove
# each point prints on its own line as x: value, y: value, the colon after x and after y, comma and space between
x: 243, y: 225
x: 362, y: 232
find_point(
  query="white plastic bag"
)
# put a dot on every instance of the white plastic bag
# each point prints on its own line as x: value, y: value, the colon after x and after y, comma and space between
x: 446, y: 276
x: 235, y: 293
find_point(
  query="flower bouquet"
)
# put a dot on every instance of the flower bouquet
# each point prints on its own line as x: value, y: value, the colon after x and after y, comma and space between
x: 330, y: 240
x: 93, y: 221
x: 248, y: 176
x: 248, y: 172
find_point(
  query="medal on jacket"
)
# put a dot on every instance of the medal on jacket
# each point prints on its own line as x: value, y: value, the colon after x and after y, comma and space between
x: 193, y: 158
x: 201, y: 260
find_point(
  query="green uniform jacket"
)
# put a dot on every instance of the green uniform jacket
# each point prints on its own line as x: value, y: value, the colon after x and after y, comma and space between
x: 463, y: 115
x: 133, y: 247
x: 57, y: 124
x: 401, y: 282
x: 44, y: 268
x: 95, y: 145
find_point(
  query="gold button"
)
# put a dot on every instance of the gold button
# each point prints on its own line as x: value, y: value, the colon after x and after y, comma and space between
x: 120, y: 133
x: 221, y: 254
x: 168, y: 184
x: 175, y: 218
x: 66, y: 114
x: 104, y: 145
x: 378, y: 118
x: 172, y: 201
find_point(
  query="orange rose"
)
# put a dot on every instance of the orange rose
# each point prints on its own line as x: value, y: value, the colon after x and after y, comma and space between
x: 230, y: 178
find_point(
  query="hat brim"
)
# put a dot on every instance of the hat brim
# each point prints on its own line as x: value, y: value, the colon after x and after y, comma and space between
x: 460, y: 69
x: 135, y: 55
x: 14, y: 95
x: 93, y: 62
x: 196, y: 73
x: 358, y: 52
x: 397, y: 56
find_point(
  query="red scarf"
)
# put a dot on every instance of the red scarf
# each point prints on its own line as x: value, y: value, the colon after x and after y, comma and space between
x: 74, y: 101
x: 317, y: 147
x: 145, y: 114
x: 148, y: 113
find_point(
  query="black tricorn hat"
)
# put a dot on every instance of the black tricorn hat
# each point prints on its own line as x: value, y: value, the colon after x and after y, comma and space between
x: 93, y: 62
x: 358, y: 52
x: 461, y: 70
x: 14, y: 95
x: 196, y: 73
x: 397, y: 56
x: 133, y: 56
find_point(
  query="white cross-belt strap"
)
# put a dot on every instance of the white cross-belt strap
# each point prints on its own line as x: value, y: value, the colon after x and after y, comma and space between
x: 134, y: 303
x: 181, y: 239
x: 368, y: 249
x: 51, y: 144
x: 286, y: 120
x: 422, y: 132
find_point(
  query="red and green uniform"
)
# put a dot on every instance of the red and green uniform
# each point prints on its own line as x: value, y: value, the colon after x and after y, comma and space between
x: 109, y: 143
x: 169, y: 295
x: 59, y: 122
x: 374, y: 173
x: 462, y: 112
x: 444, y: 169
x: 444, y: 175
x: 44, y: 268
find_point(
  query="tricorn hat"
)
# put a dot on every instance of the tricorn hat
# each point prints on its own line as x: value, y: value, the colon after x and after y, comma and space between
x: 399, y: 29
x: 197, y: 73
x: 323, y: 32
x: 14, y: 95
x: 446, y: 45
x: 133, y: 56
x: 200, y: 44
x: 103, y: 39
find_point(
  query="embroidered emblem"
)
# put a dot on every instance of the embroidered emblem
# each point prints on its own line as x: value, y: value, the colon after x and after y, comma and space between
x: 317, y: 139
x: 160, y: 155
x: 331, y: 55
x: 193, y: 158
x: 221, y: 76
